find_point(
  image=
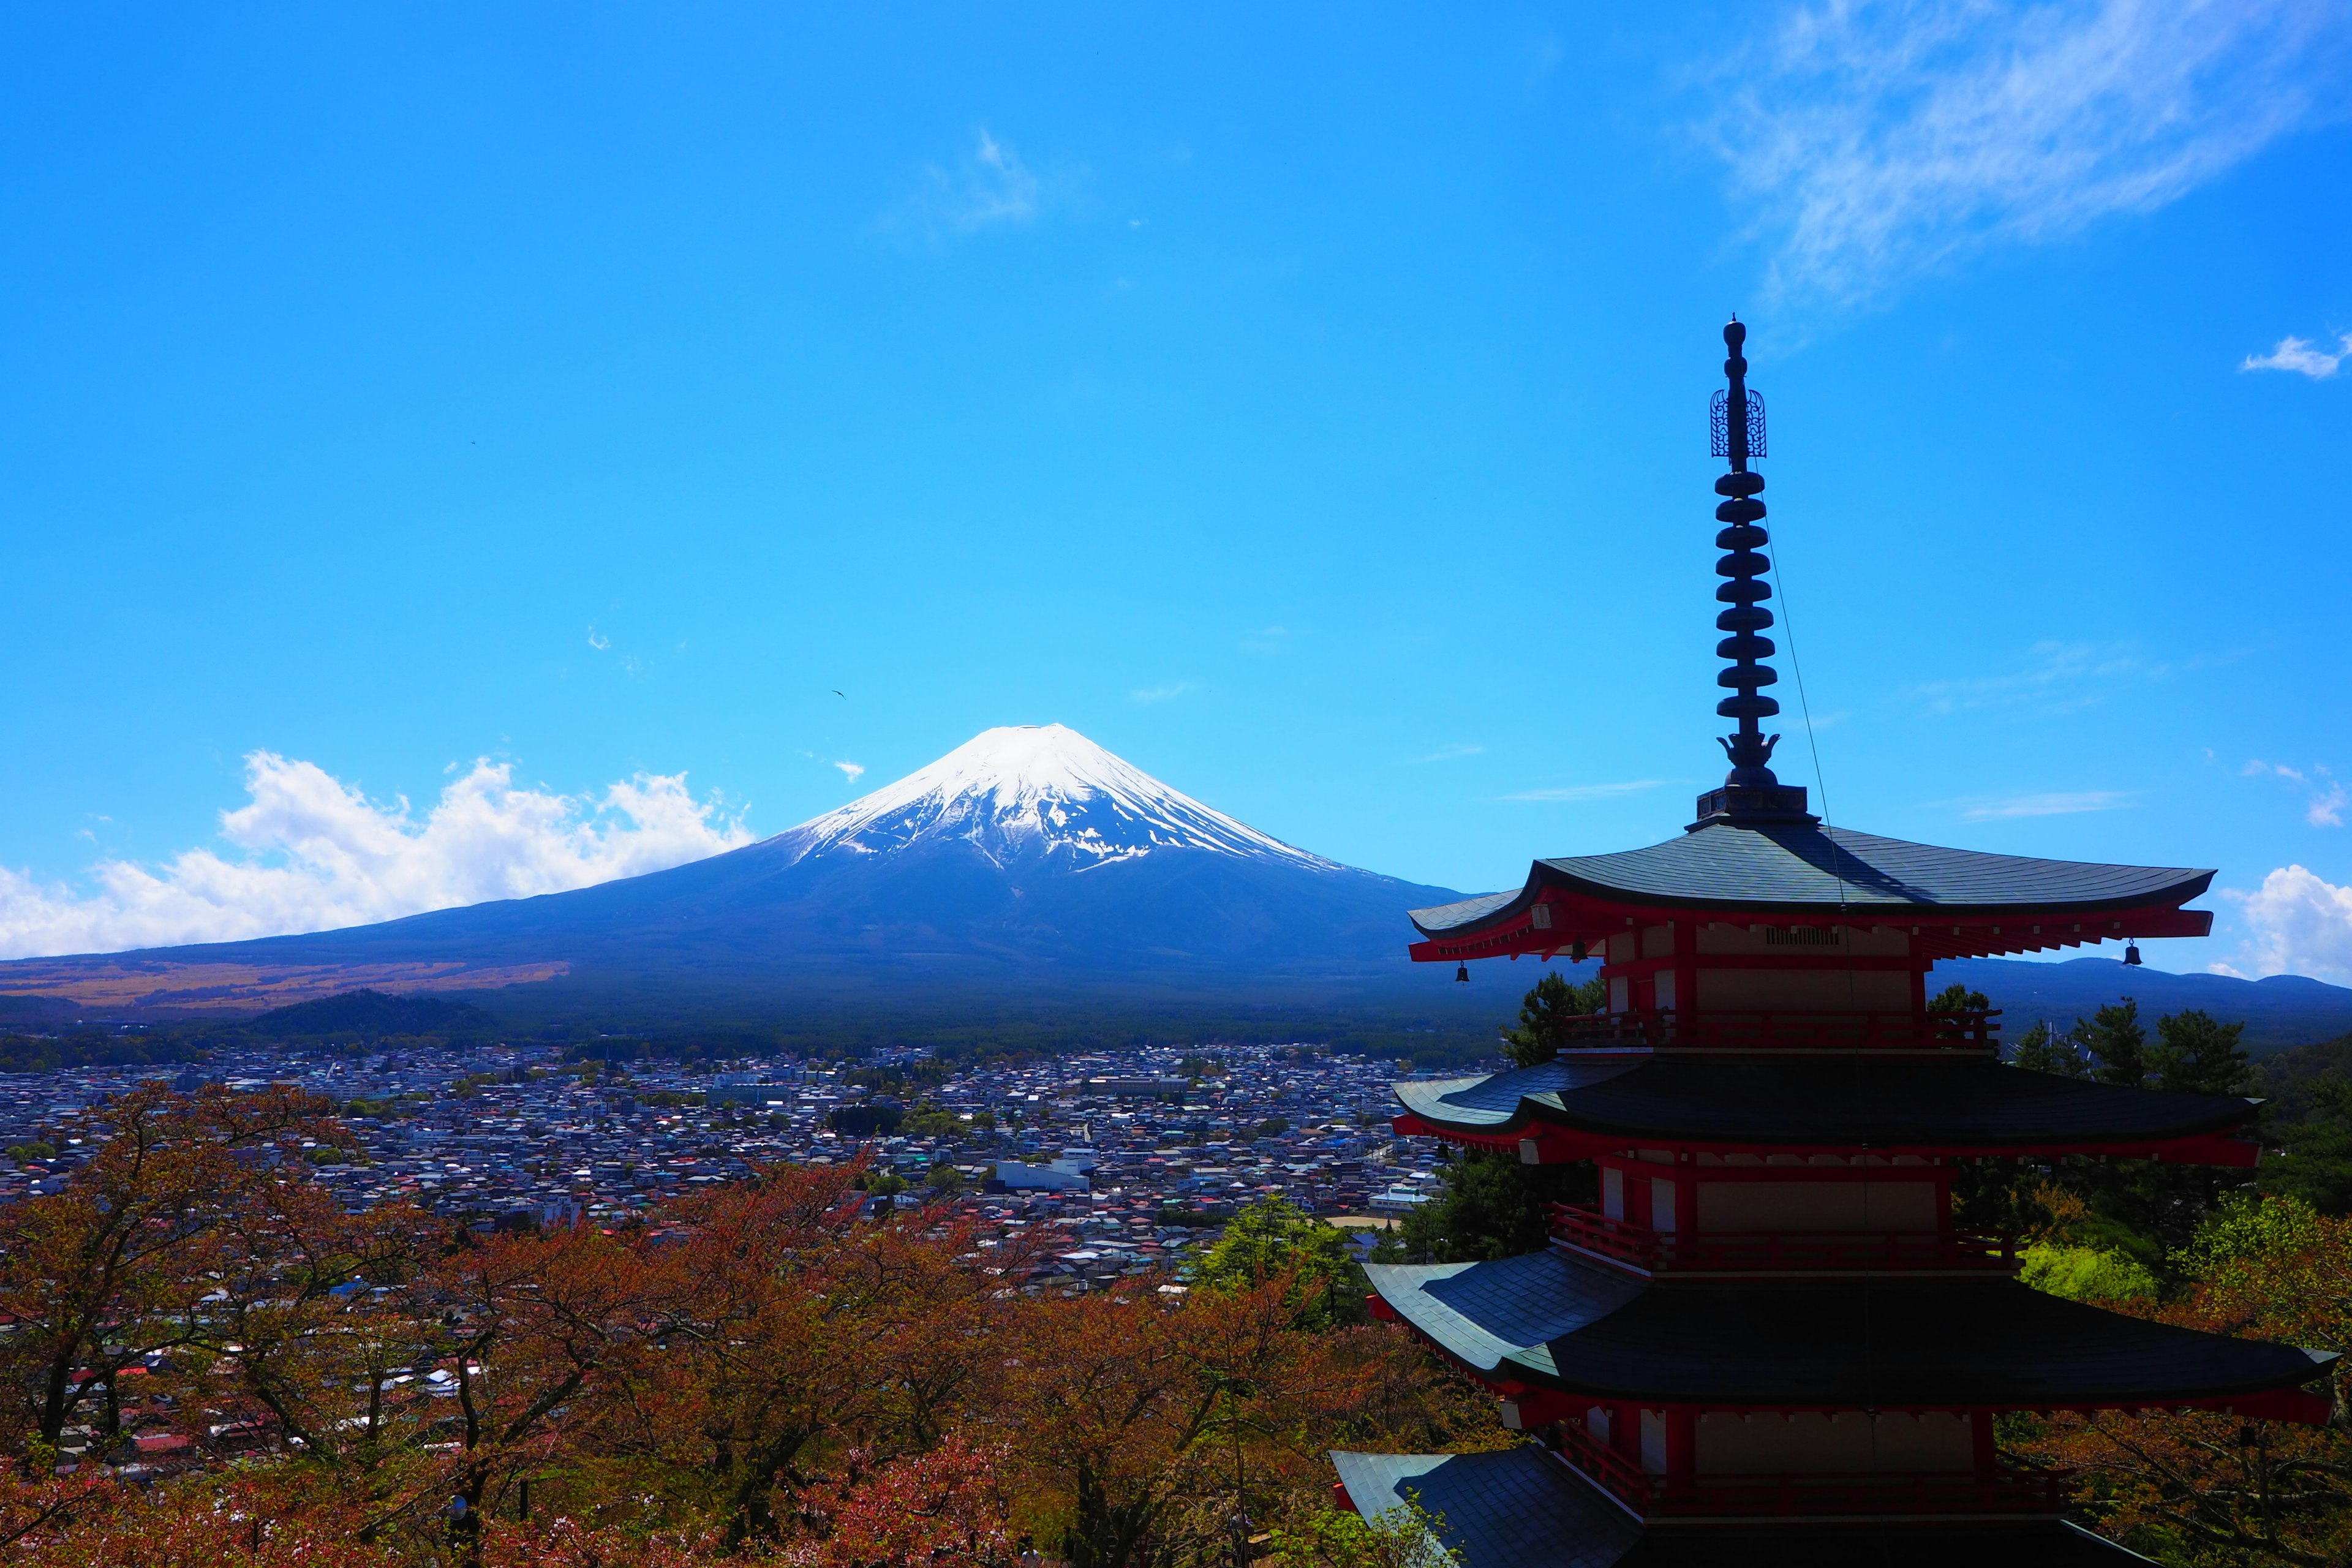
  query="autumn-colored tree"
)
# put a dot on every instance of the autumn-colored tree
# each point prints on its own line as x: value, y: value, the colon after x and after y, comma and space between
x: 765, y: 1373
x: 531, y: 1326
x: 948, y: 1507
x: 793, y: 1331
x: 1149, y: 1430
x: 2198, y: 1489
x: 307, y: 1320
x: 251, y: 1519
x: 119, y: 1266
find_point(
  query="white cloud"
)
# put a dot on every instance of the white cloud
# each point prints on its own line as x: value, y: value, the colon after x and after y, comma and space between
x: 2297, y: 356
x: 852, y: 772
x: 2327, y: 800
x: 310, y: 853
x: 1878, y: 138
x: 1588, y: 792
x: 1167, y: 694
x: 1450, y: 754
x: 2297, y: 923
x: 598, y: 640
x: 987, y: 186
x: 2048, y: 804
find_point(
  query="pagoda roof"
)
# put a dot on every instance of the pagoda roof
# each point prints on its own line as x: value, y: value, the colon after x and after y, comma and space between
x: 1910, y: 1103
x: 1552, y: 1319
x: 1806, y: 870
x: 1521, y: 1507
x: 1514, y: 1508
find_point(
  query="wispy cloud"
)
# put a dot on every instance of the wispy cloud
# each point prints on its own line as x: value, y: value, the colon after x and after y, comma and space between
x: 2053, y: 804
x: 2296, y: 923
x: 2054, y: 679
x: 987, y: 186
x: 2296, y: 354
x: 1168, y: 693
x: 1267, y: 640
x: 1588, y: 792
x: 308, y: 852
x: 2326, y: 801
x: 852, y: 772
x: 1878, y: 138
x: 597, y: 640
x: 1448, y: 754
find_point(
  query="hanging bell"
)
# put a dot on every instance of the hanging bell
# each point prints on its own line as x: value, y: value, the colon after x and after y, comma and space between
x: 1575, y: 952
x: 2131, y: 954
x: 1462, y: 973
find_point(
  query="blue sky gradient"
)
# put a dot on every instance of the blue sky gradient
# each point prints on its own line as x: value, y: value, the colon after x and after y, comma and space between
x: 1307, y: 403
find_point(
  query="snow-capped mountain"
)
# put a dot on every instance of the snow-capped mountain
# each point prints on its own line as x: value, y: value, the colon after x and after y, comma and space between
x: 1027, y: 862
x: 1029, y: 792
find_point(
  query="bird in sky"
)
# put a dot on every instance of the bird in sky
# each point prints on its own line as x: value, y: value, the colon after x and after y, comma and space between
x: 842, y: 696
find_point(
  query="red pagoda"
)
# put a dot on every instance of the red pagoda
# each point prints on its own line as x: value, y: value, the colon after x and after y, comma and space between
x: 1767, y: 1342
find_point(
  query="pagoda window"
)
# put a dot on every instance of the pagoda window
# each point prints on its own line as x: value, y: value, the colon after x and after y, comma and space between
x: 1653, y: 1442
x: 1725, y: 937
x: 1613, y: 1193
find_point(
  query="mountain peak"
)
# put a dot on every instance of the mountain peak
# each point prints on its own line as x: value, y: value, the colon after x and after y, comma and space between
x: 1027, y: 790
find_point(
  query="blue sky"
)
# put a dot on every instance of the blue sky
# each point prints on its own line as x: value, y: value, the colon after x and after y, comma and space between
x: 425, y: 432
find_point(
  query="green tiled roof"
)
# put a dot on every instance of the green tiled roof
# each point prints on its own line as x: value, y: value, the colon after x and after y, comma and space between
x: 1794, y: 868
x: 1518, y: 1507
x: 1968, y: 1102
x: 1551, y: 1319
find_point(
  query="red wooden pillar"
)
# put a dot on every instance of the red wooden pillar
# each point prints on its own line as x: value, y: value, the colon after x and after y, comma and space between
x: 1681, y: 1446
x: 1625, y: 1432
x: 1686, y: 951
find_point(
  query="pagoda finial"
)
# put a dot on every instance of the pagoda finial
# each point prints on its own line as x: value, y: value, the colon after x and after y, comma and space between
x: 1749, y: 791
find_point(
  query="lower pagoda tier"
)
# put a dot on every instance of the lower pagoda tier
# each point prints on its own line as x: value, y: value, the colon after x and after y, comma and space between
x: 1558, y: 1332
x: 1586, y: 1103
x: 1522, y: 1507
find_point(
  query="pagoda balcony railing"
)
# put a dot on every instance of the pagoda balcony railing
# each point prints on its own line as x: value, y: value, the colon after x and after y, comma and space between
x: 1669, y: 1028
x: 1663, y: 1252
x: 2010, y: 1489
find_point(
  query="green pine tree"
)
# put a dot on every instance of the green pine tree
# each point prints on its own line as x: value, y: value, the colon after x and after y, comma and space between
x: 2196, y: 1055
x: 2043, y: 1049
x: 2116, y: 1041
x: 1544, y: 1013
x: 1273, y: 1236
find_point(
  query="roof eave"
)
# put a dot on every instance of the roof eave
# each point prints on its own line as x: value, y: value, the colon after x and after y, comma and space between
x: 1613, y: 903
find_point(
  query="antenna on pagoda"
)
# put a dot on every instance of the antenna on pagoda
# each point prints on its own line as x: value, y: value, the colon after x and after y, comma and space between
x: 1750, y: 793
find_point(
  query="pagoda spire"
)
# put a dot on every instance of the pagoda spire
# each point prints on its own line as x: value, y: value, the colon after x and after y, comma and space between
x: 1749, y: 791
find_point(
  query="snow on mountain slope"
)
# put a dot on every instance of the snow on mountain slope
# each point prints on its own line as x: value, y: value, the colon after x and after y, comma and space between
x: 1022, y: 793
